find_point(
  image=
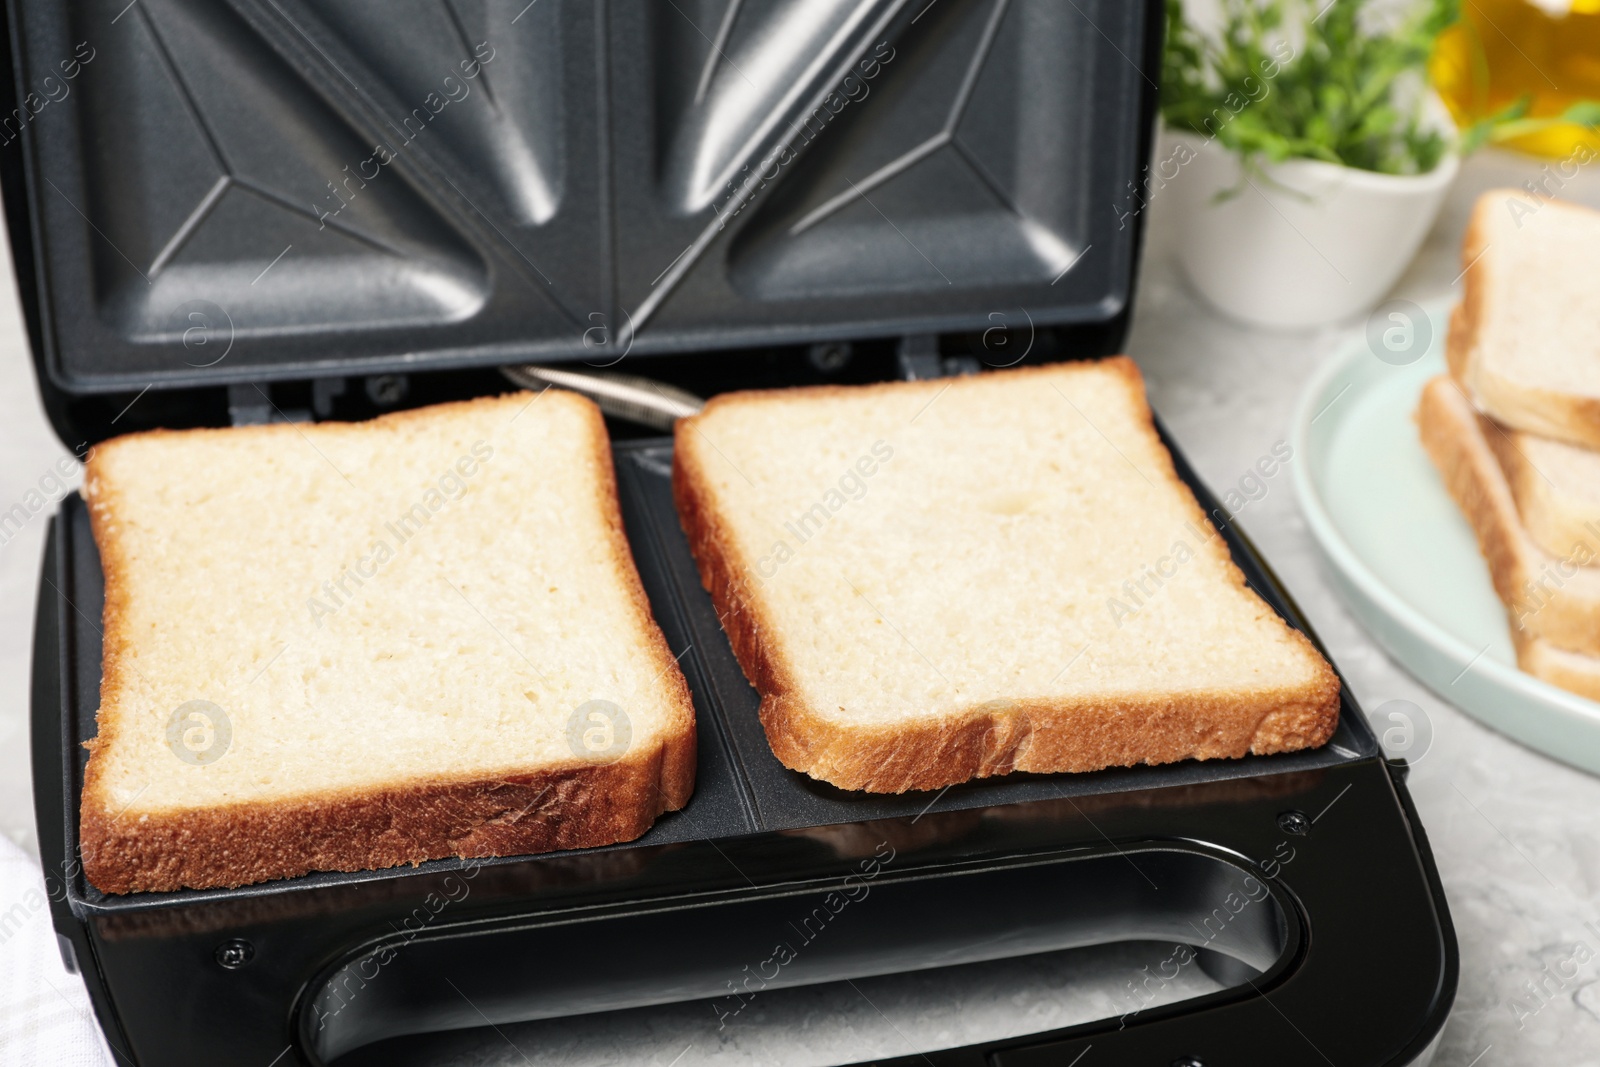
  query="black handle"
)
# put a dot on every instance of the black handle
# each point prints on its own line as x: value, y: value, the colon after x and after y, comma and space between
x: 1370, y: 983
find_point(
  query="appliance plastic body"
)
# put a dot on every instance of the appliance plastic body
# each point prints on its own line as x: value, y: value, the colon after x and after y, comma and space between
x: 230, y: 210
x: 369, y: 963
x: 262, y: 191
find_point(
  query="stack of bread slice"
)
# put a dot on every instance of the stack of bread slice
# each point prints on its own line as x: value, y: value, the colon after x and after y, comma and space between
x: 1515, y: 426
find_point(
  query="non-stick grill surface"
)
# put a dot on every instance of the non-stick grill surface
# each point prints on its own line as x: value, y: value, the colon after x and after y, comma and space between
x: 741, y: 787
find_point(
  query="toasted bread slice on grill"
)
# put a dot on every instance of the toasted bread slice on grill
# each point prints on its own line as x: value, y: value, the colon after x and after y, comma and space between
x: 940, y: 580
x: 356, y: 645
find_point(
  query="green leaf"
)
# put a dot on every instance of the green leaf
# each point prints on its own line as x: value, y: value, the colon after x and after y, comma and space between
x: 1335, y: 96
x: 1583, y: 113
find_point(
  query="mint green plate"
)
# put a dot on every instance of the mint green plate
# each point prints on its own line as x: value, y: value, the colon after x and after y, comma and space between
x: 1404, y: 559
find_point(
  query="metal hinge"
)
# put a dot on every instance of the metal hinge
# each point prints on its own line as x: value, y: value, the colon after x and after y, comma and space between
x: 625, y: 396
x: 920, y: 359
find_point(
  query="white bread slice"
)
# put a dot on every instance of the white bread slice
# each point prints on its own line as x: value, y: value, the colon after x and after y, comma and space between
x: 1557, y: 489
x: 420, y: 703
x: 1572, y: 671
x: 1525, y: 339
x: 934, y: 581
x: 1552, y: 598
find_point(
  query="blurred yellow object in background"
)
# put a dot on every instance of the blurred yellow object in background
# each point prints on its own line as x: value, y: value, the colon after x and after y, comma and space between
x: 1503, y: 50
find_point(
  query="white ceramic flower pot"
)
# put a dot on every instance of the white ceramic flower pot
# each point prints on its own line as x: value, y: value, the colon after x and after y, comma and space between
x: 1302, y: 244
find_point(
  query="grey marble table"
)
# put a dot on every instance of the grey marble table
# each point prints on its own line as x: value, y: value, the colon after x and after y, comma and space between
x: 1516, y: 835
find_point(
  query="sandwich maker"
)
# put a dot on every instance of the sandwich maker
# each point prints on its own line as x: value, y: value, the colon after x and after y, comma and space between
x: 237, y: 211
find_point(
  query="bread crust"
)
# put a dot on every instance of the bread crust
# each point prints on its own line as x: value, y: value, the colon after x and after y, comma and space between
x: 1472, y: 475
x: 1572, y: 671
x: 987, y: 739
x: 1564, y: 416
x: 515, y: 812
x: 1555, y: 529
x: 1467, y: 316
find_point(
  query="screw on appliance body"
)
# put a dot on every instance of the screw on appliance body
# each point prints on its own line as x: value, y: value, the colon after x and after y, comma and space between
x: 830, y: 356
x: 1188, y: 1061
x: 386, y: 390
x: 235, y: 954
x: 1294, y: 822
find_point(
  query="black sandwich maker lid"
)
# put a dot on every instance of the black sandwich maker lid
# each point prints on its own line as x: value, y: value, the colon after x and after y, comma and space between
x: 239, y: 210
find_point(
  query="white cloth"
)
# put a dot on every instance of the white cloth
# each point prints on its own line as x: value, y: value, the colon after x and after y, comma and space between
x: 45, y: 1018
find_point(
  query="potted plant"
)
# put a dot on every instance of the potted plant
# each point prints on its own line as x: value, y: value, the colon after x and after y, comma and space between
x: 1307, y: 156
